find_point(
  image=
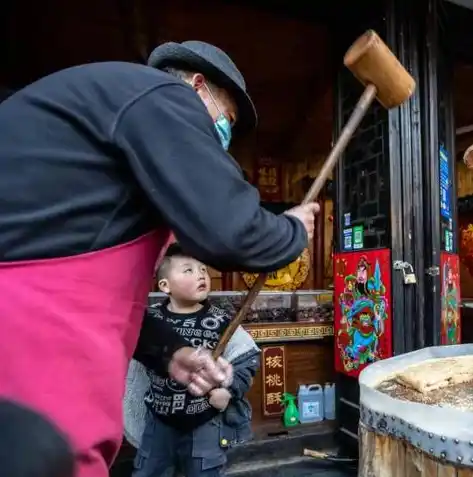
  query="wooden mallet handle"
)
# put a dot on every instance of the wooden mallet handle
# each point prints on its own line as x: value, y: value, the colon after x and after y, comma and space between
x: 373, y: 63
x: 360, y: 110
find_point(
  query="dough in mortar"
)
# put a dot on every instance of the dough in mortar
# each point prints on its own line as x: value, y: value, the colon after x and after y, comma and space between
x: 437, y: 373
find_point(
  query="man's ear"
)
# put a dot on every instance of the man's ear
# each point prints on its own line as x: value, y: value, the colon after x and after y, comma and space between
x: 163, y: 286
x: 198, y: 80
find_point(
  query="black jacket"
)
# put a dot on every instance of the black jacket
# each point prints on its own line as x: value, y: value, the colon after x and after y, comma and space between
x: 97, y: 155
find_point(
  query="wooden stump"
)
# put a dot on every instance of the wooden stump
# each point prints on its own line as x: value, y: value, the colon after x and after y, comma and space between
x: 386, y: 456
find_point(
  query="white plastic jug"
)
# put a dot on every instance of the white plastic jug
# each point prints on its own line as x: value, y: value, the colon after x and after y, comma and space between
x: 310, y: 400
x: 329, y: 401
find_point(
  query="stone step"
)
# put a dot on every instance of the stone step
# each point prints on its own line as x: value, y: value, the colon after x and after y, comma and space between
x: 296, y: 466
x: 275, y: 442
x: 275, y: 452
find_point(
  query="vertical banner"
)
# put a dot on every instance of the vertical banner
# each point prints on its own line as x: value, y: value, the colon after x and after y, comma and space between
x: 274, y: 379
x: 362, y: 300
x: 446, y: 216
x: 269, y: 179
x: 450, y: 330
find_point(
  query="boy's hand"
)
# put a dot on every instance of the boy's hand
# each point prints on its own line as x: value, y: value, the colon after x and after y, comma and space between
x: 219, y: 398
x: 198, y: 370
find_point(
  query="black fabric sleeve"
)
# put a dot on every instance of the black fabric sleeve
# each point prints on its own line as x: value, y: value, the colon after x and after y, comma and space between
x: 156, y: 344
x: 170, y: 142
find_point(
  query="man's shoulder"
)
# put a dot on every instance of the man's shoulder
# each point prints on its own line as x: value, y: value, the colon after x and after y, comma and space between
x: 107, y: 84
x: 101, y: 70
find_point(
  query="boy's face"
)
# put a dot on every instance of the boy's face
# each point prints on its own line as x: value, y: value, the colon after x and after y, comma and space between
x: 188, y: 280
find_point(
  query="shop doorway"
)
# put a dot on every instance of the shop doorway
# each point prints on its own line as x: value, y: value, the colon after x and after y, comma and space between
x: 287, y: 56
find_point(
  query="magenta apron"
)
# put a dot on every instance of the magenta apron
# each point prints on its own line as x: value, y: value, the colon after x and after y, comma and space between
x: 69, y: 327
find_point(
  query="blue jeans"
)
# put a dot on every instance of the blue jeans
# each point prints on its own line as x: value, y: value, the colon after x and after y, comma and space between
x: 166, y: 452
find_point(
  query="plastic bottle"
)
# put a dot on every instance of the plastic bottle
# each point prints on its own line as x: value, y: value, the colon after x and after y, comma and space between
x: 291, y: 414
x: 329, y: 401
x: 311, y: 403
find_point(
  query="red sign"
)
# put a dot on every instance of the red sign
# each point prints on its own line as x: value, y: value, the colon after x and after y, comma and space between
x: 362, y: 300
x: 268, y: 180
x: 450, y: 331
x: 274, y: 379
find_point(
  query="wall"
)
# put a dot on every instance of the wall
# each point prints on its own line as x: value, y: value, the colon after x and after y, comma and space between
x: 293, y: 192
x: 286, y: 63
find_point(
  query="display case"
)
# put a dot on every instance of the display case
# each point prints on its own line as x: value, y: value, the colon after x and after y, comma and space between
x: 279, y: 316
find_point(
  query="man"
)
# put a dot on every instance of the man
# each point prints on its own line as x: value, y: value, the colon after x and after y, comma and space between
x: 98, y: 163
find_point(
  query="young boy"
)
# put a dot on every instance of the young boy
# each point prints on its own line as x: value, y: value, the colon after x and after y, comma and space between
x: 182, y: 432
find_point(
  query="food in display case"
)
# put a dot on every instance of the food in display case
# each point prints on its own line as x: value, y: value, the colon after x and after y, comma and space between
x: 314, y: 306
x: 274, y: 307
x: 270, y: 307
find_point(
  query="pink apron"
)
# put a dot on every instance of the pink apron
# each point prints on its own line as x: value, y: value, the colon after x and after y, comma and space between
x: 69, y: 327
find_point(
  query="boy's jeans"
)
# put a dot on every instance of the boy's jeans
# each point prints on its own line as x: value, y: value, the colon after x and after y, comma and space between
x: 166, y: 452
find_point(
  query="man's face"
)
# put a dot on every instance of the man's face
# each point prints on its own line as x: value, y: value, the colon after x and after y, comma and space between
x: 362, y: 274
x: 188, y: 280
x: 216, y: 100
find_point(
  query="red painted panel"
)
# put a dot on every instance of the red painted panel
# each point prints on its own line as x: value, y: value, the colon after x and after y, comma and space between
x: 450, y: 331
x: 363, y: 331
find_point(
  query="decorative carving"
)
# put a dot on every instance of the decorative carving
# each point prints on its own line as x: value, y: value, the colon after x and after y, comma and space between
x: 289, y: 278
x: 293, y: 332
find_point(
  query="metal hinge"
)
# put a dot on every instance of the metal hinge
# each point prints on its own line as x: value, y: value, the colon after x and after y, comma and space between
x: 400, y: 265
x: 433, y: 271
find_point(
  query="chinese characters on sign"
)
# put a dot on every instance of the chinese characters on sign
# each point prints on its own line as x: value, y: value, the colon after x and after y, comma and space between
x: 445, y: 200
x: 274, y: 385
x: 268, y: 180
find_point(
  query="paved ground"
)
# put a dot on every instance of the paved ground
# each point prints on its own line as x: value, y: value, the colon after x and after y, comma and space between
x: 316, y: 471
x: 302, y: 470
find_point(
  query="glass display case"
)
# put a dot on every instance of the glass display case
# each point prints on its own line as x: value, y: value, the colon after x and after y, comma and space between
x: 275, y: 307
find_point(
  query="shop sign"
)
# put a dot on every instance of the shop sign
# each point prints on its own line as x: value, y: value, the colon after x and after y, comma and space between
x: 274, y: 379
x: 268, y: 180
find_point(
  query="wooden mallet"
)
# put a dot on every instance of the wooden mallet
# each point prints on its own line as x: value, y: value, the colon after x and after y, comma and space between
x: 384, y: 78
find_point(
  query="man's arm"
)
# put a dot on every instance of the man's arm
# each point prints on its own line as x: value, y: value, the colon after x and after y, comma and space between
x: 157, y: 344
x: 171, y: 144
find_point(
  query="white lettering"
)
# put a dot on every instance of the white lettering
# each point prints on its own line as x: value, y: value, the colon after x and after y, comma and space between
x: 212, y: 322
x: 178, y: 402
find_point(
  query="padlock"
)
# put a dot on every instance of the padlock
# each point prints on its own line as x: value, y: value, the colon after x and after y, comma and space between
x: 409, y: 277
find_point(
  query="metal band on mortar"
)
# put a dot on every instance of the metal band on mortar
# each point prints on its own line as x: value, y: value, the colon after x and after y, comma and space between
x: 454, y: 451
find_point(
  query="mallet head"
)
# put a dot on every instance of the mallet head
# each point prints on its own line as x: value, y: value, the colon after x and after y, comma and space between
x: 372, y: 62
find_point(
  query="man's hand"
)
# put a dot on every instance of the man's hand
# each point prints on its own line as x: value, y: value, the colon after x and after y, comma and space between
x: 306, y: 214
x: 219, y: 398
x: 198, y: 370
